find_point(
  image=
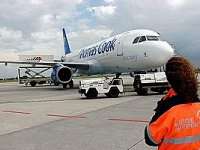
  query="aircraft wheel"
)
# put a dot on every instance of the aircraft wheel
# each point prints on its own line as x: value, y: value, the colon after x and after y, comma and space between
x: 113, y: 93
x: 71, y: 84
x: 92, y: 93
x: 159, y: 90
x: 142, y: 91
x: 56, y: 84
x: 33, y: 83
x: 139, y: 89
x: 64, y: 86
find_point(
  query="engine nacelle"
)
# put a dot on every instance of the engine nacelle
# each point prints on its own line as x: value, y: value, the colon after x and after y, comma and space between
x: 61, y: 74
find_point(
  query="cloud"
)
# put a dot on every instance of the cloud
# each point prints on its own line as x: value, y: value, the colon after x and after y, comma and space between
x: 11, y: 39
x: 175, y: 20
x: 36, y: 2
x: 89, y: 36
x: 34, y: 26
x: 176, y: 3
x: 109, y: 1
x: 102, y: 11
x: 6, y: 34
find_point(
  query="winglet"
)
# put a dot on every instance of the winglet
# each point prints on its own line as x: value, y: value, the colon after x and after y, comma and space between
x: 66, y: 44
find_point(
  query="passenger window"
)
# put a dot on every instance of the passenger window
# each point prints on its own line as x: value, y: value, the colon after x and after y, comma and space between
x: 136, y: 40
x: 143, y: 38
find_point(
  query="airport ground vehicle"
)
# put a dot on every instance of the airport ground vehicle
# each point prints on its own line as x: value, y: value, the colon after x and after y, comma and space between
x: 110, y: 87
x: 33, y: 76
x: 156, y: 82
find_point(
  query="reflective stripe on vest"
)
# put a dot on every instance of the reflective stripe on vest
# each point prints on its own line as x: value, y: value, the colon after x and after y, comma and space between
x: 150, y: 136
x: 183, y: 140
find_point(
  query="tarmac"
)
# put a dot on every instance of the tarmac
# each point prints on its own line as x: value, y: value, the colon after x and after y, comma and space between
x: 50, y: 118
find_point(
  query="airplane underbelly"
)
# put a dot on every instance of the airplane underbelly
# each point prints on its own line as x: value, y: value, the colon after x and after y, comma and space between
x: 119, y: 64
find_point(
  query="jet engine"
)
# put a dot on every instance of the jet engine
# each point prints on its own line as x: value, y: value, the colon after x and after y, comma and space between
x: 61, y: 74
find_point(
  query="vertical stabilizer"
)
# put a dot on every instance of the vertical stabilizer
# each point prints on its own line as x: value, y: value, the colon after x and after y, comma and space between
x: 66, y: 44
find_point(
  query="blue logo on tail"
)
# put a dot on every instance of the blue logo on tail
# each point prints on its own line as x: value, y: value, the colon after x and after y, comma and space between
x: 66, y: 44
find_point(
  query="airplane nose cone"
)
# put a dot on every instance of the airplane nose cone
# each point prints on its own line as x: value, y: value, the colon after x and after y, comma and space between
x: 161, y: 53
x: 166, y: 51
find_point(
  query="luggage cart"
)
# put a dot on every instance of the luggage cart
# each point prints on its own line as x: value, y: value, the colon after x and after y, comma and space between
x: 33, y: 75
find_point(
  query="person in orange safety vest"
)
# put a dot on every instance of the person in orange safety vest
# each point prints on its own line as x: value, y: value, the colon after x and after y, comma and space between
x: 176, y: 122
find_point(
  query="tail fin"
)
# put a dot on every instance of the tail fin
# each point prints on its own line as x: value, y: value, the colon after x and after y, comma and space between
x: 66, y: 44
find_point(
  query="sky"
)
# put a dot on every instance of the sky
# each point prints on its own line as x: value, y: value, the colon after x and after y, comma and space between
x: 35, y: 26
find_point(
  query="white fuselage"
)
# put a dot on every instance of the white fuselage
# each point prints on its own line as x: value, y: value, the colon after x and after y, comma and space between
x: 121, y: 53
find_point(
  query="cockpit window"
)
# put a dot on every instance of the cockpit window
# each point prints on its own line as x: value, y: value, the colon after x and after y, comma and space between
x: 143, y: 38
x: 153, y: 38
x: 136, y: 39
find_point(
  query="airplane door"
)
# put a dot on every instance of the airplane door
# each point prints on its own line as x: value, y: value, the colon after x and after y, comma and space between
x: 119, y: 48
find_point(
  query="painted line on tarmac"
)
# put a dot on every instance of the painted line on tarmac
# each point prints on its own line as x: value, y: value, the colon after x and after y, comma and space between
x: 65, y: 116
x: 135, y: 144
x: 16, y: 112
x: 130, y: 120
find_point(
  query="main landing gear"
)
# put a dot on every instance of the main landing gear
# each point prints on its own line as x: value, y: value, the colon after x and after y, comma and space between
x: 71, y: 85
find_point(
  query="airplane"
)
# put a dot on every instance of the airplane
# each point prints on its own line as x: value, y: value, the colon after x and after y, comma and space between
x: 126, y: 52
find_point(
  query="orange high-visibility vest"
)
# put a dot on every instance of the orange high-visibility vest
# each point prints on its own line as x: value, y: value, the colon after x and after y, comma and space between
x: 177, y: 129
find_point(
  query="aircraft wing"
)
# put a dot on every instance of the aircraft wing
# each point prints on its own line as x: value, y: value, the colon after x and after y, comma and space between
x: 79, y: 65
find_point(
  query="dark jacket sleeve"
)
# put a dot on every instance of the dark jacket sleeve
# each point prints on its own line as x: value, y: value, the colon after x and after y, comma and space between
x: 165, y: 105
x: 159, y: 110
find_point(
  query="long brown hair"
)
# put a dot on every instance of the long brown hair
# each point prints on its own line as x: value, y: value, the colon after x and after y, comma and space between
x: 181, y: 76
